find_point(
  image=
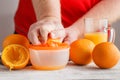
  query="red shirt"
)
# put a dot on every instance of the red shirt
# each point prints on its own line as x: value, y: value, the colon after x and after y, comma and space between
x: 71, y: 10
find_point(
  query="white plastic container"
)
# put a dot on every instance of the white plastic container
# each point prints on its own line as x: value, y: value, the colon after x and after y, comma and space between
x: 49, y: 58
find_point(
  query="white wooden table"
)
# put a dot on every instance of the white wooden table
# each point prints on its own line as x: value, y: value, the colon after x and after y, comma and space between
x: 70, y: 72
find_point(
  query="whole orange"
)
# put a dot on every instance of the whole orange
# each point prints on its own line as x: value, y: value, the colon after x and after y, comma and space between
x: 81, y: 50
x: 15, y: 39
x: 106, y: 55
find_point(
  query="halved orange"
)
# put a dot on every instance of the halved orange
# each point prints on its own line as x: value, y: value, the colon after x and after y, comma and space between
x: 15, y: 56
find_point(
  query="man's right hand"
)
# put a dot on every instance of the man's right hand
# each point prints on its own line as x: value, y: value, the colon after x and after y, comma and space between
x: 46, y: 28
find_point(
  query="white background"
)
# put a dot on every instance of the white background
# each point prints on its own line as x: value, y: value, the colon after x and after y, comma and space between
x: 7, y: 11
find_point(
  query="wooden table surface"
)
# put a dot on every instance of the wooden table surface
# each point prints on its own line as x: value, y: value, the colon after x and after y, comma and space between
x: 70, y: 72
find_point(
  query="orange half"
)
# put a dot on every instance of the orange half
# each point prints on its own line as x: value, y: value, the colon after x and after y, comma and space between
x: 15, y: 56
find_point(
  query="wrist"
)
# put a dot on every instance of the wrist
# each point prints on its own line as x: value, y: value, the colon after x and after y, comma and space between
x: 79, y: 27
x: 50, y: 18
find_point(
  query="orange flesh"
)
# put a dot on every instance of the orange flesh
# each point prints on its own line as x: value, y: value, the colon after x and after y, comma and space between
x: 52, y: 44
x: 15, y: 56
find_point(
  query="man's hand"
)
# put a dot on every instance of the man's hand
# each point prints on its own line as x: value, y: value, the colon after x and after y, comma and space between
x: 46, y: 28
x: 72, y: 34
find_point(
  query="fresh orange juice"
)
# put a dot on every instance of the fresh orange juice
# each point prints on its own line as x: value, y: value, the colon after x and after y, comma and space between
x: 96, y: 37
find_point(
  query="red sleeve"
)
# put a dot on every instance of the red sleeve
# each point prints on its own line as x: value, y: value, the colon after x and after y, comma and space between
x: 24, y: 17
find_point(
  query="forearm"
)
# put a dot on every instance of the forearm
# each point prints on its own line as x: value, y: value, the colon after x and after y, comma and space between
x: 47, y: 8
x: 104, y: 9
